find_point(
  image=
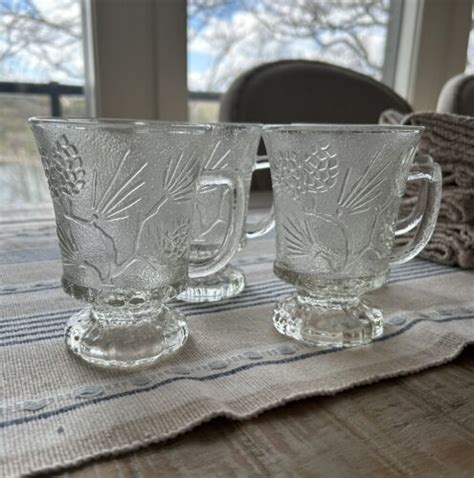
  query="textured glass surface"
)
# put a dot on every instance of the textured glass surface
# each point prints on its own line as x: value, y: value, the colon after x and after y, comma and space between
x: 337, y: 192
x: 123, y: 196
x: 232, y: 147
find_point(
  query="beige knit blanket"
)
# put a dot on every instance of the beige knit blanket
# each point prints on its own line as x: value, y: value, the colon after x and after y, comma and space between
x: 449, y: 139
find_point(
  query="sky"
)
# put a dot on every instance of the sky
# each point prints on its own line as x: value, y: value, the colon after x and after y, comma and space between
x: 208, y: 68
x: 254, y: 40
x: 35, y: 43
x: 470, y: 54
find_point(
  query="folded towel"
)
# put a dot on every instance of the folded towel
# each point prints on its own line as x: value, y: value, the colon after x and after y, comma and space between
x: 448, y: 138
x: 457, y: 205
x: 457, y: 173
x: 451, y: 244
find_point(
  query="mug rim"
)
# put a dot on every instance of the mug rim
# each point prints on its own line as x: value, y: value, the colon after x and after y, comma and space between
x: 120, y: 123
x: 236, y: 125
x: 92, y: 121
x: 346, y: 128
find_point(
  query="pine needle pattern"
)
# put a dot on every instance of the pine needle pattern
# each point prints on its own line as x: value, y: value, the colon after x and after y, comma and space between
x: 117, y: 200
x: 363, y: 193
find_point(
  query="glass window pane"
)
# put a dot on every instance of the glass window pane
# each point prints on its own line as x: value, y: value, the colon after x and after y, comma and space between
x: 203, y: 110
x: 21, y: 177
x: 228, y: 37
x: 470, y: 47
x: 16, y: 139
x: 73, y: 106
x: 40, y: 43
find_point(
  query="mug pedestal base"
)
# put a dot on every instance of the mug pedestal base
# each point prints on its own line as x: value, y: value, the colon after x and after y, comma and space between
x: 337, y: 323
x: 126, y: 338
x: 221, y: 286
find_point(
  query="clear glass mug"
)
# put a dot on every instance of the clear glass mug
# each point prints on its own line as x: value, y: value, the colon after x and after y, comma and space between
x: 337, y: 191
x: 232, y: 148
x: 123, y: 194
x: 406, y: 223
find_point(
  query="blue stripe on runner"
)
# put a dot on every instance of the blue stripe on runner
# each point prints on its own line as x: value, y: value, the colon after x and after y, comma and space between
x: 213, y: 376
x: 41, y: 316
x: 8, y: 341
x: 251, y: 299
x: 424, y: 275
x: 32, y: 329
x: 29, y: 255
x: 29, y: 290
x: 277, y: 284
x: 30, y: 220
x: 417, y: 264
x: 34, y: 339
x: 265, y: 300
x: 421, y: 266
x: 280, y: 295
x: 9, y: 290
x: 253, y: 290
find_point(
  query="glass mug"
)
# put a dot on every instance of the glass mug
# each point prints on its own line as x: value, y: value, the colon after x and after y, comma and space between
x: 232, y: 148
x: 412, y: 219
x: 337, y: 191
x: 407, y: 223
x: 123, y: 195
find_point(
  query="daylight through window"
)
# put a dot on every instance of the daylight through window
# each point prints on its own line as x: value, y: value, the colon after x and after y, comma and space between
x: 228, y: 37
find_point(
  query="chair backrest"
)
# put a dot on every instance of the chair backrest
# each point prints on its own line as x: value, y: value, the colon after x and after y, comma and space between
x: 292, y: 91
x: 457, y: 96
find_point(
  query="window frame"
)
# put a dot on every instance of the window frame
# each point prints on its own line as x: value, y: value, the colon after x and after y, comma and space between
x: 426, y: 45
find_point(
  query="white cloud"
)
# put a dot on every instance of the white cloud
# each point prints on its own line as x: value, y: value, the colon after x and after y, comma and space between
x: 45, y: 53
x: 244, y: 41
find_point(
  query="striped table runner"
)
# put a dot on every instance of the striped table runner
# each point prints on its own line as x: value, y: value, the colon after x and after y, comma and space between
x: 56, y: 412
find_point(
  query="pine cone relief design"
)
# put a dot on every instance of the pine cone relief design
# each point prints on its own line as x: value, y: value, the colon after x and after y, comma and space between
x: 317, y: 173
x: 64, y: 169
x: 321, y: 168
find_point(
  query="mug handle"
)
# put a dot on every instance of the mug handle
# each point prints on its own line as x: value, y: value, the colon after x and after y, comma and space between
x: 430, y: 172
x: 409, y: 222
x: 231, y: 241
x: 267, y: 223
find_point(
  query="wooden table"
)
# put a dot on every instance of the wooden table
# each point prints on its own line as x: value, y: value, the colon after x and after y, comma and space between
x: 420, y: 425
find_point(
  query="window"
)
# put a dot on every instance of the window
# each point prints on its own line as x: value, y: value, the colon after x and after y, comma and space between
x: 228, y: 37
x: 470, y: 47
x: 41, y: 74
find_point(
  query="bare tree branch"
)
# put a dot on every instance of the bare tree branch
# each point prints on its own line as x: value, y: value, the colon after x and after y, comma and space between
x: 337, y: 28
x: 36, y: 37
